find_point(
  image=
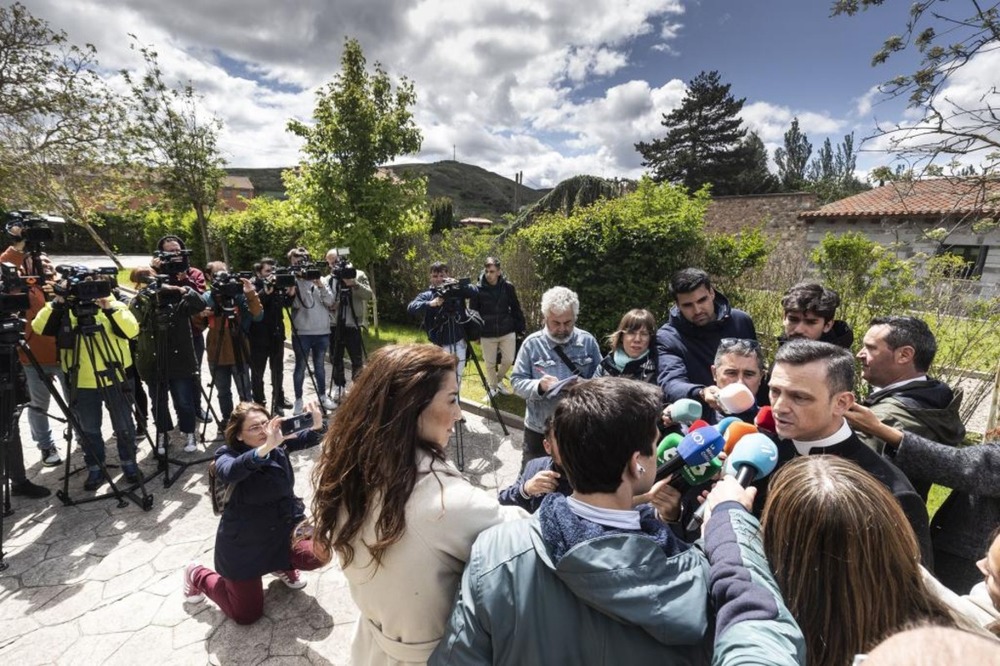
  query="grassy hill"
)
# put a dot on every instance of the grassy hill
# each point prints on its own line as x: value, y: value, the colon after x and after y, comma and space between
x: 475, y: 191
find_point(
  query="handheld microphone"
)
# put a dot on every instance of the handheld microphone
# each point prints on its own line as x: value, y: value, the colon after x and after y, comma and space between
x: 697, y: 424
x: 754, y: 457
x: 765, y: 419
x: 689, y: 476
x: 724, y: 424
x: 735, y: 433
x: 685, y: 410
x: 697, y: 448
x: 736, y: 398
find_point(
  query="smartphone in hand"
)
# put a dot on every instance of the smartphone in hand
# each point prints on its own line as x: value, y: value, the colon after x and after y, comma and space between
x: 297, y: 423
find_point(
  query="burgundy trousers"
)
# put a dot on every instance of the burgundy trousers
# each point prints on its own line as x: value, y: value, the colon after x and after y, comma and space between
x: 243, y: 600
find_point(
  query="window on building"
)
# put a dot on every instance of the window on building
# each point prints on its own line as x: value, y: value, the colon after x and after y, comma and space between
x: 973, y: 258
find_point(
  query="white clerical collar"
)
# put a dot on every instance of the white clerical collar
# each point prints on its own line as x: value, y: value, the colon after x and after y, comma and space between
x: 836, y: 438
x: 623, y: 519
x: 921, y: 378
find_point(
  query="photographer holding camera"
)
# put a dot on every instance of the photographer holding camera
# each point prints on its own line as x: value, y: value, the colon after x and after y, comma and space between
x: 267, y: 337
x: 165, y: 355
x: 39, y: 290
x: 231, y: 305
x: 96, y: 369
x: 440, y: 305
x: 311, y: 303
x: 348, y: 316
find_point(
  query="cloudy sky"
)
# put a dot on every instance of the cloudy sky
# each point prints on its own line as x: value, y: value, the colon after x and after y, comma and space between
x: 553, y: 88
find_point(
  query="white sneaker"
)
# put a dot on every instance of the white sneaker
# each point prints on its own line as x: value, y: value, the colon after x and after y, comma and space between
x: 297, y: 407
x: 327, y: 402
x: 190, y: 446
x: 50, y: 457
x: 191, y: 593
x: 503, y: 389
x: 291, y: 578
x: 161, y: 443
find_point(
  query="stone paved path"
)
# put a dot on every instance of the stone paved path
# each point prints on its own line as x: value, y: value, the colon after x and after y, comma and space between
x: 97, y: 584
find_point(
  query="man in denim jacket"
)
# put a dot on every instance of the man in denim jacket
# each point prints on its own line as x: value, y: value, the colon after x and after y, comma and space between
x: 547, y: 357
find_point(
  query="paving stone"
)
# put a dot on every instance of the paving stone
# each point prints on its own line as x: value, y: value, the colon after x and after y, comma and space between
x: 129, y: 582
x: 25, y: 600
x: 71, y: 603
x: 11, y: 629
x: 148, y: 645
x: 89, y: 650
x: 64, y: 570
x: 43, y: 646
x: 236, y: 644
x: 130, y: 613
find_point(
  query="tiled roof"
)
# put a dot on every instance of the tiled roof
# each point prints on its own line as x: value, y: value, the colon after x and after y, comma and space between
x: 237, y: 183
x: 939, y: 196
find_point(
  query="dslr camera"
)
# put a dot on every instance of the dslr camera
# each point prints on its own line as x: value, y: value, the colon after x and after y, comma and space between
x: 172, y: 263
x: 10, y: 280
x: 34, y: 228
x: 343, y: 269
x: 84, y: 285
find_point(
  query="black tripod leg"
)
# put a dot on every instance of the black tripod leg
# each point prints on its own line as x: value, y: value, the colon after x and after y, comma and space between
x: 471, y: 353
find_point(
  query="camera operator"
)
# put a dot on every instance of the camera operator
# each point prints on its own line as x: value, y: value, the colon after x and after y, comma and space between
x: 43, y: 347
x: 350, y: 307
x: 267, y: 337
x: 187, y: 276
x: 311, y: 303
x: 445, y: 296
x: 88, y: 377
x: 228, y: 308
x: 165, y: 356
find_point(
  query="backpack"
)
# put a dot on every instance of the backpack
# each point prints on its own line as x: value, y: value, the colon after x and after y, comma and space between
x: 473, y: 325
x: 219, y: 492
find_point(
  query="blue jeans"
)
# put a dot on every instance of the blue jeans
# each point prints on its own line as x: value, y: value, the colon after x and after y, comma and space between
x: 223, y: 375
x: 182, y: 391
x: 38, y: 418
x: 305, y: 346
x: 87, y: 408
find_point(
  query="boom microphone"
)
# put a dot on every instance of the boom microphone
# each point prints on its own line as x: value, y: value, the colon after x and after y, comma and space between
x: 697, y: 448
x: 754, y: 457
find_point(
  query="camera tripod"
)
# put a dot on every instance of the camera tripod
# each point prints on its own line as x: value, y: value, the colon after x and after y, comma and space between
x: 449, y: 319
x: 229, y: 329
x: 10, y: 413
x: 90, y: 337
x: 345, y: 304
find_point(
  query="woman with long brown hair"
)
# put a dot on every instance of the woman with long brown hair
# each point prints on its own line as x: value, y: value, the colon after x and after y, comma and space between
x: 844, y: 557
x: 399, y: 518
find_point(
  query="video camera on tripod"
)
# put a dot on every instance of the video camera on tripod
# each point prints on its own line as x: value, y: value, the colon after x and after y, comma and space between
x: 308, y: 271
x: 12, y: 303
x: 227, y: 286
x: 34, y: 227
x: 283, y: 277
x: 173, y: 263
x: 452, y: 292
x: 82, y: 286
x: 343, y: 269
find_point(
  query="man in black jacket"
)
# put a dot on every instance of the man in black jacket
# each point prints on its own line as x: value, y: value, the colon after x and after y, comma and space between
x: 503, y: 321
x: 267, y: 338
x: 808, y: 313
x: 811, y: 392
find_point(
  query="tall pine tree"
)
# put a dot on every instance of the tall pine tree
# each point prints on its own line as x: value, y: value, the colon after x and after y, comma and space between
x: 704, y: 138
x: 793, y: 158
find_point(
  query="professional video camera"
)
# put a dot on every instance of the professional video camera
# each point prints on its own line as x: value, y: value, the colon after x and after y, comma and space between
x: 451, y: 288
x: 154, y: 289
x: 229, y: 285
x: 343, y: 269
x: 84, y: 285
x: 9, y: 279
x: 172, y: 263
x: 307, y: 271
x: 283, y: 277
x: 34, y: 228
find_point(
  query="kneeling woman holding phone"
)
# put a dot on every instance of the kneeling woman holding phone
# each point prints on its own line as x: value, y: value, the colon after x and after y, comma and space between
x: 255, y: 534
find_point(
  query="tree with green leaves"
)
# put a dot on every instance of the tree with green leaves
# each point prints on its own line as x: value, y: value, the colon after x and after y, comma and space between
x: 173, y: 144
x: 362, y: 120
x: 703, y: 140
x: 59, y: 124
x: 793, y: 158
x: 756, y: 177
x: 831, y: 174
x: 442, y: 211
x: 946, y: 37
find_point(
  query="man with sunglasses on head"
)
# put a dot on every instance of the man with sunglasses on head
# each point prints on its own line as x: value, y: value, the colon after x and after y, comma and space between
x: 687, y: 343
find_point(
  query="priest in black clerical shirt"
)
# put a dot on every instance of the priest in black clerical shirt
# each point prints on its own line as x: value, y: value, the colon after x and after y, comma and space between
x: 811, y: 390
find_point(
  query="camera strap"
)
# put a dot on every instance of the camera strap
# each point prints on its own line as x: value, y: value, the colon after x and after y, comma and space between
x: 558, y: 349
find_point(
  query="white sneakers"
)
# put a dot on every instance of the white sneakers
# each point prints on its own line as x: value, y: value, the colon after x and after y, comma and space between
x: 190, y: 446
x: 327, y: 402
x: 291, y: 578
x: 191, y: 593
x: 297, y: 407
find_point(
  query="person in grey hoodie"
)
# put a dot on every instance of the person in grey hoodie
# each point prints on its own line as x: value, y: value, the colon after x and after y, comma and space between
x: 311, y: 303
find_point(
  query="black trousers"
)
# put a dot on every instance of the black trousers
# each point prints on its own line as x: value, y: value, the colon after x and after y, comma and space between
x: 270, y: 351
x: 350, y: 339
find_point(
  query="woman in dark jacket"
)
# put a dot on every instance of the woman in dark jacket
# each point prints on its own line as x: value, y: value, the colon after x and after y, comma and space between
x: 255, y: 534
x: 631, y: 347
